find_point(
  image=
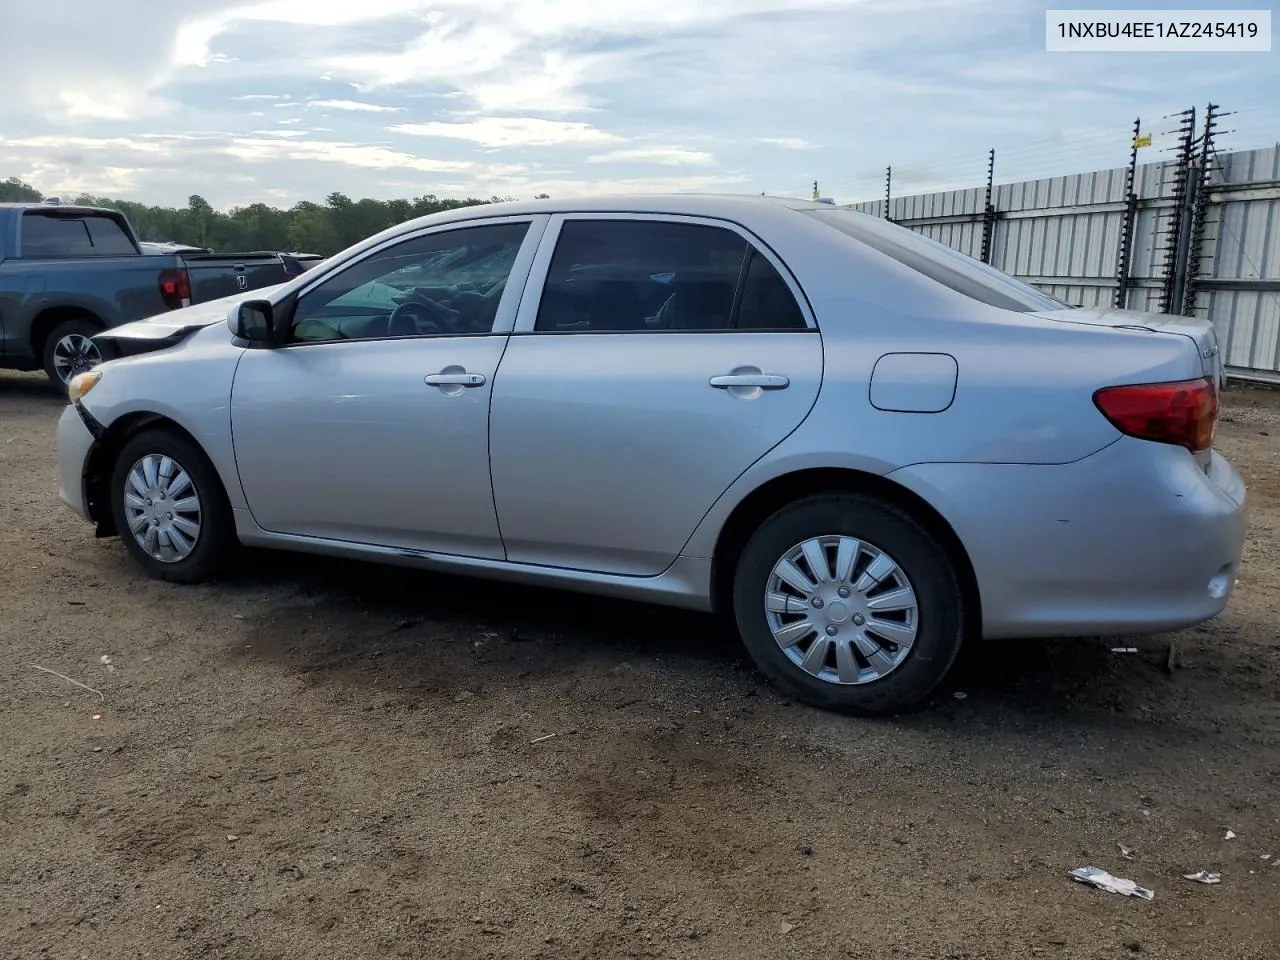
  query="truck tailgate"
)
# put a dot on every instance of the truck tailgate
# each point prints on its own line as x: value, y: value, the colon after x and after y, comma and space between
x: 214, y: 276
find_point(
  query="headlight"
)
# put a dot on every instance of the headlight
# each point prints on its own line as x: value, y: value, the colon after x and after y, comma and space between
x: 82, y: 383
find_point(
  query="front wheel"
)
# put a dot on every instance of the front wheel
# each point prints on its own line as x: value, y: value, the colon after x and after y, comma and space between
x: 847, y: 603
x: 70, y: 350
x: 169, y: 507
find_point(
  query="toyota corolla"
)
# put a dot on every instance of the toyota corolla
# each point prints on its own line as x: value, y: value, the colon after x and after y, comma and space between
x: 860, y: 445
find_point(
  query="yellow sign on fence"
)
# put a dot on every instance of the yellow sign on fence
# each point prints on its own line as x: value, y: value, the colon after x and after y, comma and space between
x: 1142, y: 141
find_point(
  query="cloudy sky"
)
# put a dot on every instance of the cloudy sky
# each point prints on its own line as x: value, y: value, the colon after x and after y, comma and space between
x: 282, y: 100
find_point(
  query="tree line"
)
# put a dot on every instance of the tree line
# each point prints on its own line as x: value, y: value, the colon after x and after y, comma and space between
x: 306, y: 227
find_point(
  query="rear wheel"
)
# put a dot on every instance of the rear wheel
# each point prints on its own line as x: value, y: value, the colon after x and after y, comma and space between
x: 847, y: 603
x: 170, y: 509
x: 69, y: 350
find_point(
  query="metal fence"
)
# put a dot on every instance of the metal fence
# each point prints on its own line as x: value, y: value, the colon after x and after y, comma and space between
x: 1199, y: 239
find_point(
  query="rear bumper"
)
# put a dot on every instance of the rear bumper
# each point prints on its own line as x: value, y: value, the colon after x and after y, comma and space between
x: 1136, y: 538
x: 74, y: 444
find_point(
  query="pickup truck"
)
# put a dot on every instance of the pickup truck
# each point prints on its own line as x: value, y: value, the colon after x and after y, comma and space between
x: 70, y: 272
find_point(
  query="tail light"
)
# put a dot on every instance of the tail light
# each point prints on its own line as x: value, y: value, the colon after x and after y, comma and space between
x: 175, y: 288
x: 1181, y: 412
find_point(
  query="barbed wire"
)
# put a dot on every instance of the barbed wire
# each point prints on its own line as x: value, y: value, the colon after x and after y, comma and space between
x: 1075, y: 151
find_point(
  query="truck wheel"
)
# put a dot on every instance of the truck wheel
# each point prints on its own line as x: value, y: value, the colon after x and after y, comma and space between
x: 68, y: 350
x: 847, y: 603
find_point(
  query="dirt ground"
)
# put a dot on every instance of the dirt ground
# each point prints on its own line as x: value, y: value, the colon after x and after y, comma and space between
x: 327, y: 759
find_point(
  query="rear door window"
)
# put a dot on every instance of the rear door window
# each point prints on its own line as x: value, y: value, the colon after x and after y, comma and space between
x: 617, y: 276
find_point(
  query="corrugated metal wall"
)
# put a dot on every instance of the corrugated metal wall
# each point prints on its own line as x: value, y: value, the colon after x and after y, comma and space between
x: 1062, y: 234
x: 1240, y: 285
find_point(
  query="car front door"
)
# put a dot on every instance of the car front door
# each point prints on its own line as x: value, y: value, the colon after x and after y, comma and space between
x: 370, y: 424
x: 653, y: 361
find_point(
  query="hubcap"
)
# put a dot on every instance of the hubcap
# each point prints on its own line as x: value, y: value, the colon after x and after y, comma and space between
x: 842, y: 610
x: 162, y: 507
x: 74, y: 354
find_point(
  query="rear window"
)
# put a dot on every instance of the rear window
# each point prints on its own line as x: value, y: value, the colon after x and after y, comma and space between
x: 937, y: 261
x: 660, y: 275
x: 73, y: 235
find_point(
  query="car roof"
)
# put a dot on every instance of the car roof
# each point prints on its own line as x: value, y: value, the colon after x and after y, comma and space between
x: 688, y: 204
x: 743, y: 209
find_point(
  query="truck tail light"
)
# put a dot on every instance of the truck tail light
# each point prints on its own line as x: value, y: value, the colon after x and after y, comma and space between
x: 175, y: 288
x: 1181, y: 412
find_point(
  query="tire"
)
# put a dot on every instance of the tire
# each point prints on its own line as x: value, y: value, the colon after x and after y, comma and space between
x: 68, y: 350
x: 912, y: 647
x: 209, y: 545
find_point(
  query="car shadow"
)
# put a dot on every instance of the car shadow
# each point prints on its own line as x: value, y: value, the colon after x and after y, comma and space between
x: 32, y: 386
x: 350, y: 618
x: 398, y: 601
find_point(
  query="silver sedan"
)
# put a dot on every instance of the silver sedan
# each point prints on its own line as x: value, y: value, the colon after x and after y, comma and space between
x: 863, y: 446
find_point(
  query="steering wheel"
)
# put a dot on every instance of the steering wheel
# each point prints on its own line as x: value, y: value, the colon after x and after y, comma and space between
x: 418, y: 314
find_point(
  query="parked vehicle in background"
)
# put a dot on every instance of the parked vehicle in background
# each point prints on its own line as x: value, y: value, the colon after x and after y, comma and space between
x: 70, y: 272
x: 862, y: 445
x: 297, y: 263
x: 159, y: 249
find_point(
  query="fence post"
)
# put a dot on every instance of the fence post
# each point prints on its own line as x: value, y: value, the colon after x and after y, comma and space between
x: 888, y: 183
x: 1175, y: 235
x: 1199, y: 203
x: 988, y: 211
x: 1126, y: 227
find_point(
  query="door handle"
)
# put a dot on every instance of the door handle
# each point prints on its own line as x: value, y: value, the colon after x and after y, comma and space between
x: 765, y: 381
x: 455, y: 379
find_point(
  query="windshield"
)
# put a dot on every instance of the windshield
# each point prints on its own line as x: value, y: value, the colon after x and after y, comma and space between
x: 939, y: 262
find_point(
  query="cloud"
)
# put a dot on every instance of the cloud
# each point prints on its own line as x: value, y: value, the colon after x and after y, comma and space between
x: 563, y: 187
x: 565, y: 96
x: 351, y: 154
x: 353, y: 105
x: 504, y: 55
x: 110, y: 60
x: 56, y: 144
x: 446, y: 52
x: 510, y: 131
x: 787, y: 143
x: 667, y: 156
x: 553, y: 85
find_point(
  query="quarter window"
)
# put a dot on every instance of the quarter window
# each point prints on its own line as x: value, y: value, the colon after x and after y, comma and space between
x: 610, y: 276
x: 767, y: 303
x: 446, y: 283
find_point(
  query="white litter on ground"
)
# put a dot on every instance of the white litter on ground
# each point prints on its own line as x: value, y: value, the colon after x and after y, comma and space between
x: 1097, y: 877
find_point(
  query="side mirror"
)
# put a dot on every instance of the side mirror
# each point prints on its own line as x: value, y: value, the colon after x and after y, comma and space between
x: 252, y: 320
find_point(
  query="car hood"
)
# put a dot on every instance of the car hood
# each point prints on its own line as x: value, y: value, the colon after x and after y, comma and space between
x: 1200, y: 332
x: 174, y: 325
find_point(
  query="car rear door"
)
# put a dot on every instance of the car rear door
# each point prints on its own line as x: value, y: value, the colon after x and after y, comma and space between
x: 654, y: 359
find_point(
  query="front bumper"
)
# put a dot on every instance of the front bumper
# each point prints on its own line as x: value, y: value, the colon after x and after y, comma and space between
x: 1137, y: 538
x: 74, y: 444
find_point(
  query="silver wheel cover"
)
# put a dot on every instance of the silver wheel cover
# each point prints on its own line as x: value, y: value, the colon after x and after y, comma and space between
x: 842, y: 610
x: 162, y: 508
